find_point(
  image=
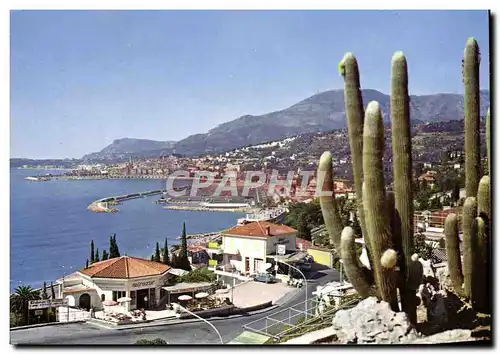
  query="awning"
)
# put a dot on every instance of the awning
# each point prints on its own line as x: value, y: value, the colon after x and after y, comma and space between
x: 214, y: 250
x: 250, y: 338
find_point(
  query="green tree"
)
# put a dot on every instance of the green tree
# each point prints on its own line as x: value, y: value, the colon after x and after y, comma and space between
x: 96, y: 258
x: 421, y: 247
x: 199, y: 275
x: 156, y: 341
x: 455, y: 194
x: 52, y: 291
x: 44, y: 294
x: 157, y: 253
x: 20, y: 299
x: 152, y: 258
x: 303, y: 230
x: 92, y: 251
x: 112, y: 250
x: 165, y: 259
x: 117, y: 250
x: 356, y: 226
x: 87, y: 264
x: 183, y: 253
x: 104, y: 255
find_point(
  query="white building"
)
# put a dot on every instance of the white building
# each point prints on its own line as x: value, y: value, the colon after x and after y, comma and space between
x: 139, y: 279
x: 247, y: 246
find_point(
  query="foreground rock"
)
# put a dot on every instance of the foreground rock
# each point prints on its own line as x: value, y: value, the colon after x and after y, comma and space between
x: 451, y: 336
x: 373, y: 322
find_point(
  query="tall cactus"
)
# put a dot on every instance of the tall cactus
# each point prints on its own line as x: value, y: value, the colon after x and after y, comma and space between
x: 471, y: 121
x: 451, y: 232
x: 353, y: 102
x: 327, y: 200
x: 469, y: 240
x: 401, y: 147
x: 374, y: 202
x: 354, y: 272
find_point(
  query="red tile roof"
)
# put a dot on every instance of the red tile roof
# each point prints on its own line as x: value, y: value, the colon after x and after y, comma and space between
x: 259, y: 229
x: 124, y: 267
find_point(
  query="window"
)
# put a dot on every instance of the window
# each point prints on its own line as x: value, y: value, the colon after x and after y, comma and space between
x: 118, y: 294
x: 103, y: 297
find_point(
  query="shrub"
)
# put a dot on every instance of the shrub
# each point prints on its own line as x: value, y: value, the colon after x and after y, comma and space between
x: 156, y: 341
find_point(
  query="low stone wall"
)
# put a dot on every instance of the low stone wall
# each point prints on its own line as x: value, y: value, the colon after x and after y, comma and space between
x: 227, y: 310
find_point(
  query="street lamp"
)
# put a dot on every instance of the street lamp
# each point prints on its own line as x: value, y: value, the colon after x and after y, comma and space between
x: 179, y: 307
x: 298, y: 270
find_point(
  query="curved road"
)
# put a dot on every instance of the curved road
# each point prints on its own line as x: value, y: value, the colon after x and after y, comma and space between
x: 182, y: 333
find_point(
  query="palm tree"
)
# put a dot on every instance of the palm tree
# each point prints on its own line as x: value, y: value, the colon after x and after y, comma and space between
x: 20, y: 299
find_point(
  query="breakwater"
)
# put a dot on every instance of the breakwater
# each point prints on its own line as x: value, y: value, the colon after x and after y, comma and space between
x: 103, y: 205
x: 202, y: 208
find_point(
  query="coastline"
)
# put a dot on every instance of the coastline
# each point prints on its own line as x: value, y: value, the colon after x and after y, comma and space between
x: 201, y: 208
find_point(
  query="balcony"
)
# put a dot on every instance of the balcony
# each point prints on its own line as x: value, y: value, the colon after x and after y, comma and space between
x: 214, y: 248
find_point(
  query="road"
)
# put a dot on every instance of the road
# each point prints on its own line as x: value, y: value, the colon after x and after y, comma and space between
x: 183, y: 333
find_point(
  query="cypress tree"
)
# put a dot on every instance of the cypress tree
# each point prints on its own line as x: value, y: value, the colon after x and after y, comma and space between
x: 96, y: 258
x: 87, y: 264
x: 117, y: 250
x: 44, y: 291
x: 166, y: 260
x: 183, y: 253
x: 52, y: 291
x: 111, y: 248
x: 92, y: 251
x: 152, y: 258
x: 104, y: 255
x: 157, y: 253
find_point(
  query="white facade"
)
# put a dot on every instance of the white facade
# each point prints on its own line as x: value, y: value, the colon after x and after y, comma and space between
x: 248, y: 254
x: 101, y: 289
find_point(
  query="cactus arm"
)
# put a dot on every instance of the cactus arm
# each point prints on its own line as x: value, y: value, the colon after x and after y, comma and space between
x: 374, y: 201
x: 401, y: 147
x: 480, y: 277
x: 471, y: 121
x: 329, y: 209
x: 469, y: 239
x: 453, y: 252
x: 353, y: 101
x: 352, y: 268
x: 483, y: 199
x: 488, y: 142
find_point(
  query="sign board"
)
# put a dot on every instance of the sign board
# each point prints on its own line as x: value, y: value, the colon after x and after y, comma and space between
x: 143, y: 284
x: 38, y: 312
x: 47, y: 303
x: 281, y: 249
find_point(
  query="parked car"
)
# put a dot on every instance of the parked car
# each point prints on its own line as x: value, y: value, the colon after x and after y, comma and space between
x: 265, y: 278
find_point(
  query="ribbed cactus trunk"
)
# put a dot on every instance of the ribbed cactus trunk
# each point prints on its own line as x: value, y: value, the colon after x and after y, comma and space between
x: 488, y: 142
x: 401, y: 148
x: 353, y: 101
x: 471, y: 121
x: 354, y: 272
x: 331, y: 215
x: 480, y: 274
x: 469, y: 243
x: 374, y: 202
x: 451, y: 233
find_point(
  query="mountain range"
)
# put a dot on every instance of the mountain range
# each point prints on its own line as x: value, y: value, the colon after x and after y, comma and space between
x: 321, y: 112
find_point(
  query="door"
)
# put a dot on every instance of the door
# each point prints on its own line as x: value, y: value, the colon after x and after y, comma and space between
x: 247, y: 264
x: 84, y: 301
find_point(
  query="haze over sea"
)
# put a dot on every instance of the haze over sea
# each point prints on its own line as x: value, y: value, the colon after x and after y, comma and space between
x: 51, y: 228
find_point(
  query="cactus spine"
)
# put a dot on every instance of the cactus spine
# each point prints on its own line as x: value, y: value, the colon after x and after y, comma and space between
x: 453, y: 252
x: 471, y: 121
x: 401, y: 147
x: 374, y: 201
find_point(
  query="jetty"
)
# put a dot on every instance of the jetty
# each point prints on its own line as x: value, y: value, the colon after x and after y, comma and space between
x: 204, y: 208
x: 102, y: 205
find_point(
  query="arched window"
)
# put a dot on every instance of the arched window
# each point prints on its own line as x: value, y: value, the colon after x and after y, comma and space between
x: 103, y: 297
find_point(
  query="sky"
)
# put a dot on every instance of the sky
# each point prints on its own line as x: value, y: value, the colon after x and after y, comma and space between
x: 80, y: 79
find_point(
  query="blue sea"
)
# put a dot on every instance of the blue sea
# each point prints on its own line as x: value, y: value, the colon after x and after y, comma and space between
x: 51, y: 228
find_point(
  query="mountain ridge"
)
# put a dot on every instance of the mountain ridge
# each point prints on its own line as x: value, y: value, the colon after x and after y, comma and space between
x: 320, y: 112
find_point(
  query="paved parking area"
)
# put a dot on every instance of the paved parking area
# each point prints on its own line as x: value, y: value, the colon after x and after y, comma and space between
x: 254, y: 293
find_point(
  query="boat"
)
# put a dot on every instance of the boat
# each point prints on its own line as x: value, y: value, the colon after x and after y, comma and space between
x: 37, y: 179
